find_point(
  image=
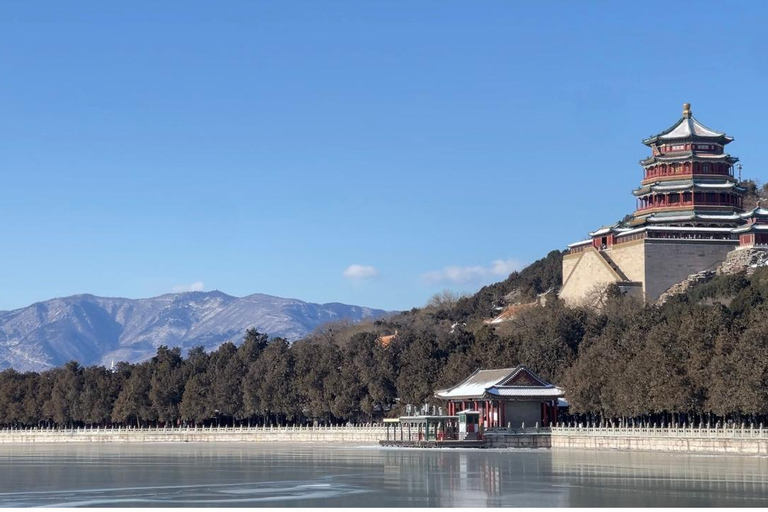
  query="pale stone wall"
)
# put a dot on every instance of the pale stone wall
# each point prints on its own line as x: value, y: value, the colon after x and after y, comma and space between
x: 657, y: 263
x: 668, y: 262
x: 361, y: 435
x: 569, y: 263
x: 630, y: 258
x: 750, y: 443
x: 543, y: 440
x: 589, y: 273
x: 718, y: 441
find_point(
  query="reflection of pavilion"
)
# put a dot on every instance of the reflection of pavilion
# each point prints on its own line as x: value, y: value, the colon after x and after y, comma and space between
x: 473, y: 478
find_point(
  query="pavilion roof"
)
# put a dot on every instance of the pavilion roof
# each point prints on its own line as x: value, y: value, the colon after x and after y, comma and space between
x: 687, y: 127
x: 604, y: 230
x: 688, y: 155
x: 757, y: 211
x: 691, y: 184
x: 506, y: 382
x: 684, y: 215
x: 511, y: 312
x: 751, y: 227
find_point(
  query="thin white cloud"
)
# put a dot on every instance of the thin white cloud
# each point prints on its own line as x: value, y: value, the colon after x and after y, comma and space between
x: 453, y: 274
x: 360, y: 272
x: 197, y: 286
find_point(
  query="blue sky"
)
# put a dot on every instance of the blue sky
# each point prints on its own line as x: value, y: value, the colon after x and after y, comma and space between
x: 371, y: 153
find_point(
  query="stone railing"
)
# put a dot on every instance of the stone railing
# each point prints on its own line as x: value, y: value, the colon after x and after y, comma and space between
x: 727, y: 432
x: 519, y: 430
x: 365, y: 433
x: 736, y: 440
x: 257, y: 428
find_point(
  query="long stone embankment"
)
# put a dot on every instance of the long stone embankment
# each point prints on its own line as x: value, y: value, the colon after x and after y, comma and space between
x: 732, y: 441
x: 362, y: 434
x: 729, y: 440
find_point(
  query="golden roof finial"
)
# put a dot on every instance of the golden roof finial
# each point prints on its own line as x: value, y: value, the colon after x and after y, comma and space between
x: 686, y: 110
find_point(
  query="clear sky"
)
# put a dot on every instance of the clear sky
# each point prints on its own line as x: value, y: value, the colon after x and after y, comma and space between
x: 372, y: 153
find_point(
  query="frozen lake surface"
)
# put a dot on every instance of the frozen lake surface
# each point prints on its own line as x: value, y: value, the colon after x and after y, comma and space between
x: 276, y: 475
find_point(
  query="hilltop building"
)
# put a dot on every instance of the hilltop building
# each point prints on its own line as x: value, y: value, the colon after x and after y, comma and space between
x: 689, y: 216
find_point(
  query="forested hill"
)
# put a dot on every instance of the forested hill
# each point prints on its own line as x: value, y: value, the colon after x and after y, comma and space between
x: 539, y: 277
x: 700, y: 356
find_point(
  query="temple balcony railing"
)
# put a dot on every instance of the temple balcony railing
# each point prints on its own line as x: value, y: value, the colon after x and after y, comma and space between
x: 679, y: 204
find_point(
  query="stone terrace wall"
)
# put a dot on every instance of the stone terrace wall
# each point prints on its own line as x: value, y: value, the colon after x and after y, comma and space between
x: 368, y: 434
x: 735, y: 441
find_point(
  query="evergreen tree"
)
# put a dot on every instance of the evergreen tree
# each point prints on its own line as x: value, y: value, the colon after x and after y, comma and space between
x: 166, y: 384
x: 133, y: 403
x: 196, y: 403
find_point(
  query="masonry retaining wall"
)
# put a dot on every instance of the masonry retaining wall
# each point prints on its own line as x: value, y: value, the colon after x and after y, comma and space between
x: 735, y: 441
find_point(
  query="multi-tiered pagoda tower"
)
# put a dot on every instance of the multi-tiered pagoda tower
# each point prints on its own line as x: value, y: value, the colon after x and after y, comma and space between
x: 689, y: 216
x: 688, y: 179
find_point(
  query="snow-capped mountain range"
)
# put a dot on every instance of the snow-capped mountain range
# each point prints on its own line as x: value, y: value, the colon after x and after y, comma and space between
x: 99, y: 330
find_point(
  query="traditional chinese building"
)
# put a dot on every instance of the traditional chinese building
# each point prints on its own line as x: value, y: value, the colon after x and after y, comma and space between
x: 755, y: 232
x: 509, y: 396
x: 688, y: 217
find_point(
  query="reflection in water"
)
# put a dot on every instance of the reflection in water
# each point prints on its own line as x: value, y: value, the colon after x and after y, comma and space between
x: 663, y: 479
x: 275, y: 474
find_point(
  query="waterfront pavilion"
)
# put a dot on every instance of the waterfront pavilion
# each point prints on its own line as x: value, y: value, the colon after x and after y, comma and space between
x: 513, y: 397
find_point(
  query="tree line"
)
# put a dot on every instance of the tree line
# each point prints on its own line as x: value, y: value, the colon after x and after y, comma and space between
x: 700, y: 357
x: 262, y: 381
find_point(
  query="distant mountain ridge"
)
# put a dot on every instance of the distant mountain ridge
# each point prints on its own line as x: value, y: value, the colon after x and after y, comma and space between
x: 98, y: 330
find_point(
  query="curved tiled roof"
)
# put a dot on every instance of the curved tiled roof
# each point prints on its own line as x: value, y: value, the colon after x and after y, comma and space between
x: 688, y: 127
x: 688, y: 155
x: 501, y: 382
x: 681, y: 185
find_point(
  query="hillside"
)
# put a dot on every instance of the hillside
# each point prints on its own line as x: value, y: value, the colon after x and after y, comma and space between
x: 702, y: 356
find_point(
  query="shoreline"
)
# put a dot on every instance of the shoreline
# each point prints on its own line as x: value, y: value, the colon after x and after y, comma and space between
x: 734, y: 441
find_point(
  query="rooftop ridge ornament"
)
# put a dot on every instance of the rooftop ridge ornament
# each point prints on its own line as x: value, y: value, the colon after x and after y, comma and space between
x: 687, y: 110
